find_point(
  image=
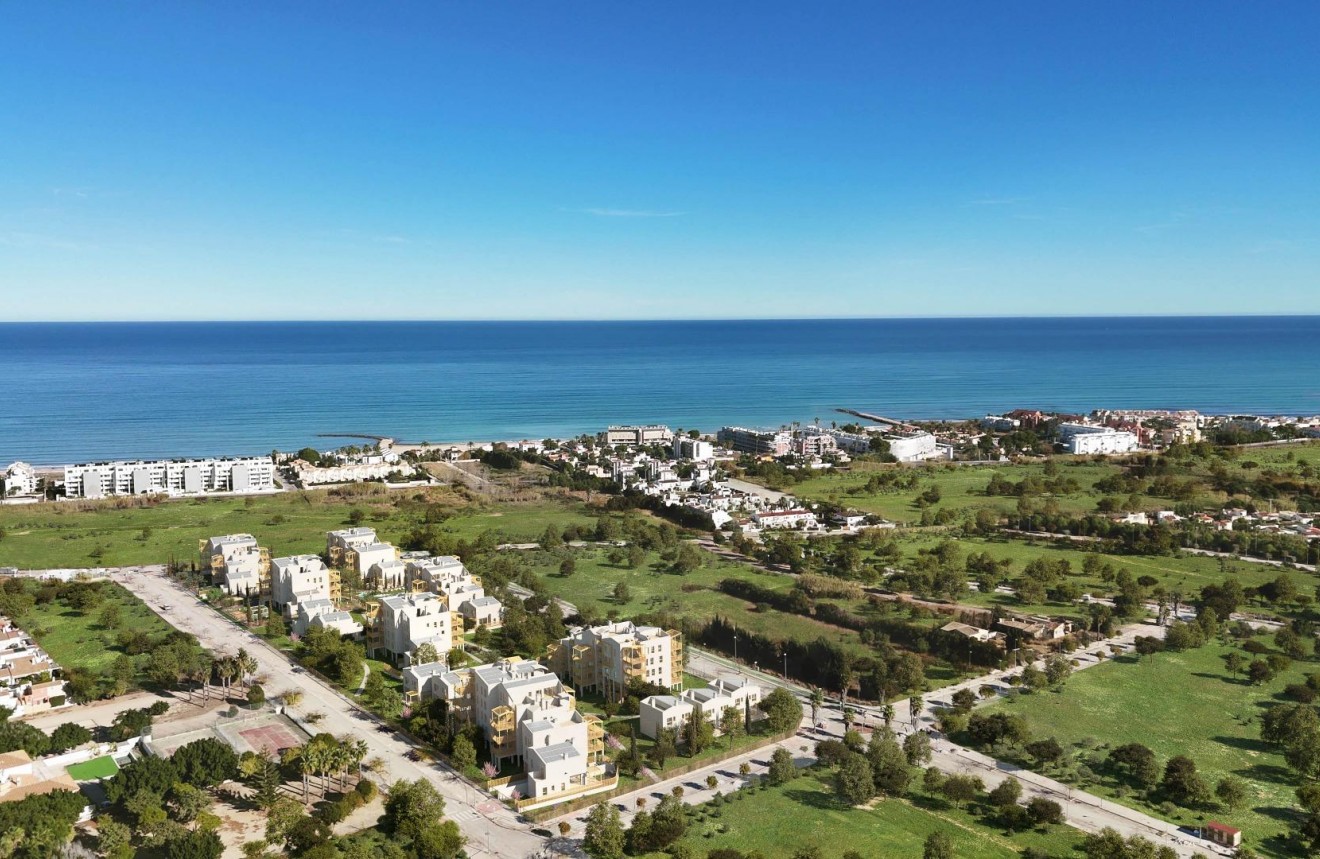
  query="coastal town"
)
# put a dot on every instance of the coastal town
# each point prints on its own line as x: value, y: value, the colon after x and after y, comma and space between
x: 818, y: 598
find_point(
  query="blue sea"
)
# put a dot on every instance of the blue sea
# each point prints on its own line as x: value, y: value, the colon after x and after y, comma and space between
x: 109, y: 390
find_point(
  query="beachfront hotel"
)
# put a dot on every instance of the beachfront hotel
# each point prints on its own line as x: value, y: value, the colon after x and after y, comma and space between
x: 169, y: 477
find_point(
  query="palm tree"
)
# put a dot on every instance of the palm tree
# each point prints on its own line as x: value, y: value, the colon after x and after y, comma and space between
x: 887, y: 714
x: 915, y: 704
x: 247, y: 665
x: 226, y: 669
x: 817, y: 701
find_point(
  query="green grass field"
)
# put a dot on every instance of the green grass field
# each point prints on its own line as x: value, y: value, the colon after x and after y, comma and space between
x: 96, y: 768
x: 44, y: 536
x: 804, y: 813
x: 961, y: 488
x: 1176, y: 703
x: 77, y: 639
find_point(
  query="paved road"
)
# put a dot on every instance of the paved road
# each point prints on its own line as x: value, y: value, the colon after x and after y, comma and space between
x: 492, y: 829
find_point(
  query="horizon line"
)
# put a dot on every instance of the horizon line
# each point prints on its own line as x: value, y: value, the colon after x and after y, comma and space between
x: 634, y: 320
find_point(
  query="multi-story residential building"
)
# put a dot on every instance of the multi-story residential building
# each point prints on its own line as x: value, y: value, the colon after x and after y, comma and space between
x: 760, y: 442
x: 310, y: 475
x: 297, y: 579
x: 338, y: 543
x: 672, y: 712
x: 814, y: 444
x: 1092, y: 439
x: 445, y: 576
x: 390, y: 575
x: 19, y: 479
x: 172, y: 477
x: 362, y: 558
x: 398, y: 625
x: 637, y: 435
x: 790, y: 519
x: 528, y: 716
x: 237, y: 563
x: 693, y: 448
x: 318, y: 612
x: 606, y: 658
x: 913, y: 446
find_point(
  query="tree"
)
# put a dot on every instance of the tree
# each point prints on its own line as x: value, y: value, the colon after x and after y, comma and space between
x: 197, y: 844
x: 666, y: 746
x: 568, y: 566
x: 916, y: 748
x: 1007, y: 792
x: 1136, y: 763
x: 187, y: 802
x: 1235, y: 662
x: 410, y: 808
x: 782, y: 768
x: 698, y: 733
x: 550, y: 539
x: 604, y: 838
x: 636, y: 556
x: 67, y: 736
x: 464, y: 754
x: 1045, y: 751
x: 111, y: 616
x: 732, y: 724
x: 256, y: 696
x: 1057, y: 669
x: 205, y: 762
x: 938, y: 846
x: 1045, y: 811
x: 622, y: 594
x: 853, y: 782
x: 782, y: 710
x: 1182, y: 784
x: 961, y: 789
x: 115, y: 840
x: 1231, y: 792
x: 425, y: 654
x: 889, y: 765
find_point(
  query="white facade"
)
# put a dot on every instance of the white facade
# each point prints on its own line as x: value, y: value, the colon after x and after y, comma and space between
x: 790, y: 519
x: 637, y: 435
x: 237, y: 563
x: 297, y: 579
x: 363, y: 558
x: 763, y: 442
x: 1091, y: 439
x: 658, y: 712
x: 693, y: 448
x: 172, y: 477
x: 19, y: 479
x: 915, y: 447
x: 607, y: 657
x: 407, y: 622
x: 322, y: 613
x: 391, y: 575
x: 310, y: 475
x: 445, y: 576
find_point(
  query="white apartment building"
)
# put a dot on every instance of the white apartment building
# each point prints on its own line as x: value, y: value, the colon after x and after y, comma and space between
x: 403, y: 623
x: 169, y: 477
x: 19, y: 479
x: 693, y: 448
x: 658, y: 712
x: 322, y: 613
x: 310, y: 475
x: 445, y: 576
x: 363, y: 558
x: 297, y: 579
x: 913, y: 447
x: 238, y: 565
x: 29, y: 681
x: 761, y: 442
x: 391, y: 575
x: 815, y: 444
x: 637, y: 435
x: 608, y: 657
x: 529, y: 716
x: 790, y: 519
x: 338, y: 543
x: 1092, y: 439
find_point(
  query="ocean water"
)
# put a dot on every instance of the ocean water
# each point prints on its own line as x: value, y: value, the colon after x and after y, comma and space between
x: 94, y: 391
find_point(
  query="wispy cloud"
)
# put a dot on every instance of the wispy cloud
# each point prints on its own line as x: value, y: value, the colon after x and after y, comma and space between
x: 625, y: 213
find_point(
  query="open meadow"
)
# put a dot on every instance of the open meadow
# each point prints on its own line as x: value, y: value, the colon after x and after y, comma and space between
x: 1184, y: 703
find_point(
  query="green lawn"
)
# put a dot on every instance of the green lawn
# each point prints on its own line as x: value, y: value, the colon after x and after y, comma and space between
x: 85, y: 534
x: 804, y: 813
x: 76, y: 639
x: 960, y: 487
x: 1176, y: 703
x: 96, y: 768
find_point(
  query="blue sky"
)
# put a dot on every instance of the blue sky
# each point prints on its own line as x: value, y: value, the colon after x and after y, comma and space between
x: 660, y: 160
